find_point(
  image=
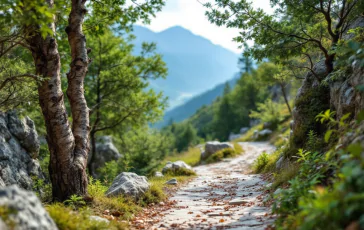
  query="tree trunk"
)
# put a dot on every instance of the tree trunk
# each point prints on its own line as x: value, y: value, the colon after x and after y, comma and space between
x: 68, y: 147
x: 285, y: 97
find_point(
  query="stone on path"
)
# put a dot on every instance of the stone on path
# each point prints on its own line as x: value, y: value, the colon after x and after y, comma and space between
x: 129, y: 184
x: 99, y: 219
x: 238, y: 201
x: 175, y: 165
x: 212, y: 147
x: 158, y: 174
x: 172, y: 181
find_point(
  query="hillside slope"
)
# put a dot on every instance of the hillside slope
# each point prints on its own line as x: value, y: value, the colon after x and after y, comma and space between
x: 194, y: 63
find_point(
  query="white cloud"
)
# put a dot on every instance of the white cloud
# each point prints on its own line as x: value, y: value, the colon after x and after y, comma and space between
x: 190, y: 14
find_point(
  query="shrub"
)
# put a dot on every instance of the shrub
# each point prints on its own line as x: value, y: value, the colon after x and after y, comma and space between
x: 154, y: 195
x: 269, y: 112
x: 221, y: 154
x: 261, y: 162
x: 180, y: 172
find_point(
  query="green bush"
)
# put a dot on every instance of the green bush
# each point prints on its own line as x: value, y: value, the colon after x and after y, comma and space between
x: 261, y: 162
x: 221, y: 154
x: 154, y: 195
x: 269, y: 112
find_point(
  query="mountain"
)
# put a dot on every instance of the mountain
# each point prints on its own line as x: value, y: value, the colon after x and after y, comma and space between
x: 189, y: 108
x: 194, y: 63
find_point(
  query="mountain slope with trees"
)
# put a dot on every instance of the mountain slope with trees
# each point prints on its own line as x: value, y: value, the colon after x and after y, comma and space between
x: 195, y: 65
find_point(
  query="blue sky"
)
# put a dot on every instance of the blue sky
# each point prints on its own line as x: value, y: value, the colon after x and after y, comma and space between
x: 190, y: 14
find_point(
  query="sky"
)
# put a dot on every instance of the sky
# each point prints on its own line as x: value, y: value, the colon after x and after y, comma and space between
x: 190, y: 14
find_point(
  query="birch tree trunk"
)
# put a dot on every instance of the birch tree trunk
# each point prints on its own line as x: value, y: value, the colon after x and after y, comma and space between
x: 68, y: 146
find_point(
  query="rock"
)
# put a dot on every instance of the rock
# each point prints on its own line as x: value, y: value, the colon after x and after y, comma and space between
x: 158, y: 174
x: 99, y: 219
x: 282, y: 163
x: 259, y: 135
x: 244, y: 130
x: 19, y: 146
x: 238, y: 201
x: 234, y: 136
x: 128, y: 184
x: 212, y: 147
x: 268, y: 125
x: 172, y: 181
x: 175, y: 165
x: 105, y: 152
x: 24, y: 131
x: 26, y: 210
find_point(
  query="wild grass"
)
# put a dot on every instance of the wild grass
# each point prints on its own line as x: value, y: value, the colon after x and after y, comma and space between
x: 248, y: 136
x: 221, y: 154
x: 180, y: 172
x: 190, y: 157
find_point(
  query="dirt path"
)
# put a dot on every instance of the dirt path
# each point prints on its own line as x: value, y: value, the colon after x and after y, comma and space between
x: 206, y: 202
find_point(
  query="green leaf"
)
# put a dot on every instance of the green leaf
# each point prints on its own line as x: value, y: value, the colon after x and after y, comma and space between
x: 328, y: 135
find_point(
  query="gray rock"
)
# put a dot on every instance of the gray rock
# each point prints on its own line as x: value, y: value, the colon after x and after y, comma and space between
x: 262, y: 134
x: 233, y: 136
x: 175, y: 165
x: 172, y: 181
x: 212, y: 147
x: 25, y: 132
x: 158, y: 174
x: 99, y: 219
x: 281, y: 163
x: 128, y: 184
x: 105, y: 152
x: 19, y: 146
x: 27, y: 210
x: 244, y: 130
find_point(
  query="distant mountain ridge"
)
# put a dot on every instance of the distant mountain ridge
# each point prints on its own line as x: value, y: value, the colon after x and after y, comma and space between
x: 189, y: 108
x: 195, y: 64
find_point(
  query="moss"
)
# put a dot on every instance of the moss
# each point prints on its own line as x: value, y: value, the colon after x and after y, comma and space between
x: 65, y: 218
x: 180, y: 172
x: 314, y: 101
x: 154, y: 195
x: 5, y: 215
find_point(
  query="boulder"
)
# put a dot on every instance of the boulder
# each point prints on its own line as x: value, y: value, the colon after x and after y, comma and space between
x: 19, y: 147
x: 105, y: 152
x: 259, y: 135
x: 212, y: 147
x: 175, y: 165
x: 244, y: 130
x: 233, y: 136
x: 25, y: 209
x: 128, y: 184
x: 172, y: 181
x: 158, y: 174
x: 281, y: 163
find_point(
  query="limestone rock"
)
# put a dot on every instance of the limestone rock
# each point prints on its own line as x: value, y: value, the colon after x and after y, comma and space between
x: 212, y: 147
x: 233, y: 136
x: 105, y: 152
x: 99, y: 219
x: 175, y: 165
x: 172, y: 181
x: 244, y: 130
x: 259, y: 135
x: 128, y: 184
x: 158, y: 174
x: 26, y: 209
x: 19, y: 146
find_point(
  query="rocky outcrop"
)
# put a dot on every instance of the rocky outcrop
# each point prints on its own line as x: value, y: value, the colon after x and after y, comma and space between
x: 24, y: 210
x: 128, y: 184
x: 19, y: 147
x: 340, y: 95
x: 170, y: 166
x: 312, y: 98
x: 263, y: 134
x: 212, y: 147
x: 344, y: 97
x: 105, y: 152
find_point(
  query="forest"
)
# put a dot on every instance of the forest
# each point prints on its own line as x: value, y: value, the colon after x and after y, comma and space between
x: 80, y: 148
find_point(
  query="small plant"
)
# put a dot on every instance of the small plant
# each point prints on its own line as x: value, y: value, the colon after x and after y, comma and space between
x: 221, y: 154
x: 95, y: 188
x: 43, y: 190
x: 75, y: 201
x: 261, y: 162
